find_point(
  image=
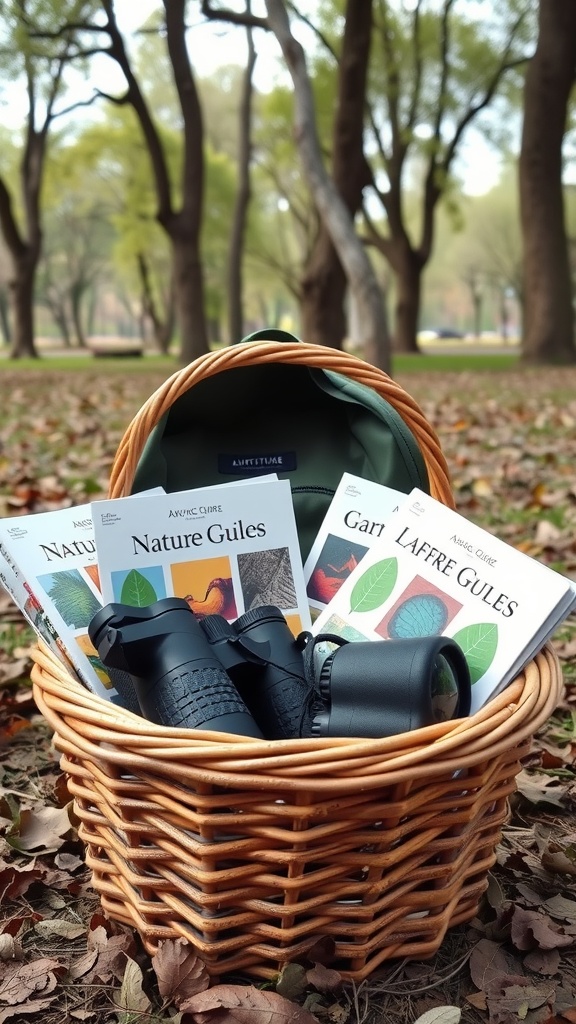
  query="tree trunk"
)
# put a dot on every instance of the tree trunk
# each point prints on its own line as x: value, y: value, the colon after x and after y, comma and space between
x: 548, y: 329
x: 61, y: 320
x: 189, y: 297
x: 324, y: 283
x: 236, y: 251
x: 477, y: 307
x: 408, y: 291
x: 373, y: 329
x: 323, y: 293
x: 4, y: 318
x: 22, y: 304
x: 162, y: 329
x: 76, y: 294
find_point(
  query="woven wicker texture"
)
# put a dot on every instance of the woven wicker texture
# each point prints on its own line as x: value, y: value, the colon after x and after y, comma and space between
x: 253, y: 849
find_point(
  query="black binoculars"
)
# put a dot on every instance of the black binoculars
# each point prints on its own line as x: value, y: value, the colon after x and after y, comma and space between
x: 253, y: 678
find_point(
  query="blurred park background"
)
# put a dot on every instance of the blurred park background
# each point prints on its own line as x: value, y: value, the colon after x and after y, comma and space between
x: 389, y: 175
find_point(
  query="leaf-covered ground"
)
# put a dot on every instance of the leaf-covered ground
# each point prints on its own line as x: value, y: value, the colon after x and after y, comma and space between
x: 510, y: 441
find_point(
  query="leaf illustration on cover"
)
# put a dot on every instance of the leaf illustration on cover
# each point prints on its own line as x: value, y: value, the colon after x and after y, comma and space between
x: 479, y: 643
x: 419, y: 615
x: 137, y: 590
x: 374, y: 586
x: 73, y: 598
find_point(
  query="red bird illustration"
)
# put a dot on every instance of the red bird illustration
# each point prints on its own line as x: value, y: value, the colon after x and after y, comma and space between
x: 324, y: 584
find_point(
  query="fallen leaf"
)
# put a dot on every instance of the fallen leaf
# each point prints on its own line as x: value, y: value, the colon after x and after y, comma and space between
x: 41, y: 829
x: 83, y: 964
x: 559, y: 860
x: 244, y: 1004
x: 488, y: 961
x: 66, y: 929
x: 322, y: 950
x: 560, y: 907
x: 292, y: 981
x: 20, y: 980
x: 538, y: 788
x: 179, y: 970
x: 10, y: 947
x: 543, y: 961
x: 26, y: 1009
x: 440, y: 1015
x: 530, y: 928
x: 132, y: 997
x: 325, y: 979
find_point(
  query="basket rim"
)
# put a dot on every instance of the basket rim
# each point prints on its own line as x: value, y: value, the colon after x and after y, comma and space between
x: 262, y: 352
x: 87, y: 724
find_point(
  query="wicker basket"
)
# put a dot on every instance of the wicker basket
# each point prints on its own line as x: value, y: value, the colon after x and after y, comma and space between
x: 252, y: 849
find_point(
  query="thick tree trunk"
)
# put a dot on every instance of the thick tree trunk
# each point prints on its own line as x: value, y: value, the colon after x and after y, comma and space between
x: 22, y: 304
x: 189, y: 298
x: 324, y: 283
x: 408, y: 294
x: 323, y: 293
x: 372, y: 326
x: 548, y: 333
x: 4, y: 318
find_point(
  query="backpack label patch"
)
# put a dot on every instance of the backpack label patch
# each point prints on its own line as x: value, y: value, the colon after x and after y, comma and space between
x: 251, y: 465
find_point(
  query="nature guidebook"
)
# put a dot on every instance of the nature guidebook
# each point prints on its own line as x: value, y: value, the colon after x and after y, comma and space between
x: 432, y: 572
x: 354, y: 522
x: 51, y: 573
x: 223, y: 549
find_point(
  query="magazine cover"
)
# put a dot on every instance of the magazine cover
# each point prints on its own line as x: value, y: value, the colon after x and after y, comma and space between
x: 53, y: 578
x: 433, y: 572
x: 354, y: 522
x: 224, y: 549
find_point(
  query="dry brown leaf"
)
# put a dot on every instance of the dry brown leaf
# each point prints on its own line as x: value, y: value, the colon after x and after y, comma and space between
x: 440, y: 1015
x: 244, y: 1004
x: 43, y: 828
x: 19, y: 981
x: 543, y: 961
x: 324, y: 979
x: 10, y: 947
x: 27, y: 1009
x: 179, y: 970
x: 65, y: 929
x: 529, y: 928
x: 131, y: 996
x: 489, y: 960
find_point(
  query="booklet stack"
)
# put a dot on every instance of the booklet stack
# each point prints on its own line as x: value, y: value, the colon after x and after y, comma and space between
x: 384, y: 566
x: 48, y: 566
x: 226, y: 549
x: 431, y: 572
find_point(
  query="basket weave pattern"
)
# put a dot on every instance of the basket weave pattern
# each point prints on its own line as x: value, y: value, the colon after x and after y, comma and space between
x: 252, y: 849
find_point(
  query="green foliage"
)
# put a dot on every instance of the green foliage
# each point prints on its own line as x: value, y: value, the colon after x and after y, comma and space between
x: 73, y: 599
x: 479, y: 643
x: 137, y: 591
x: 374, y: 586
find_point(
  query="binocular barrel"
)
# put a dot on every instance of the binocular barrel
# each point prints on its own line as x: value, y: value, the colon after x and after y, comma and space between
x: 250, y: 677
x: 177, y: 677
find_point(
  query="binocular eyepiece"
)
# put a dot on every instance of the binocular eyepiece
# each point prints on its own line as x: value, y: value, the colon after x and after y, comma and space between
x: 253, y: 678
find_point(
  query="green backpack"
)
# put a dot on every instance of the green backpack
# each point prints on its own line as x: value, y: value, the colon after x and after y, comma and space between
x: 307, y: 425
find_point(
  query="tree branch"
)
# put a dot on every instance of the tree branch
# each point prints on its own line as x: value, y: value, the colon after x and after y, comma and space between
x: 233, y: 17
x: 79, y: 103
x: 417, y: 78
x: 319, y: 35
